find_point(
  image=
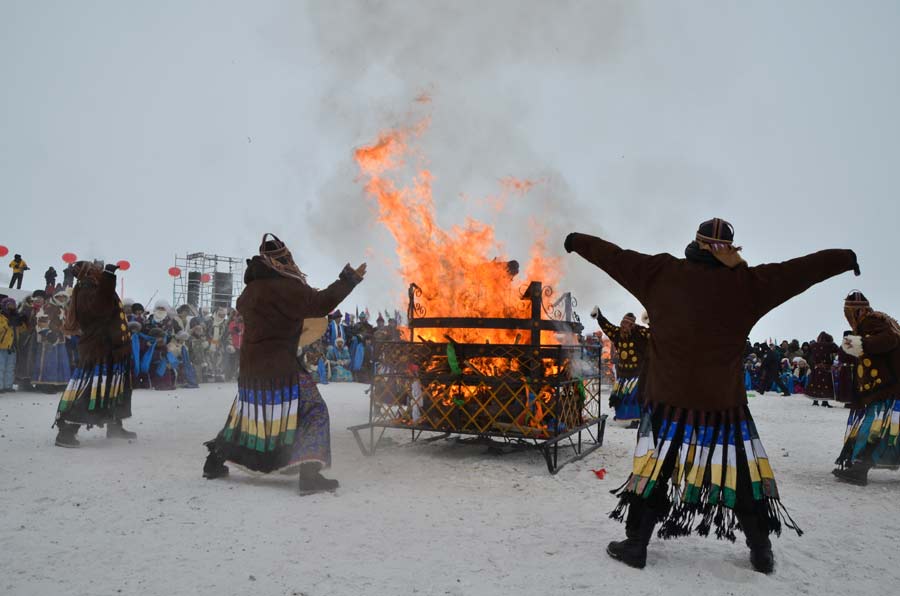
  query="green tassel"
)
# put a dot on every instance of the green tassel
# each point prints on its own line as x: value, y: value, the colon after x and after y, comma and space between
x: 452, y: 360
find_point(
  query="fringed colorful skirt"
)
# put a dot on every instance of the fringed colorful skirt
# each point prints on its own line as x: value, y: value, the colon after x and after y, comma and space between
x: 699, y: 471
x: 624, y: 398
x: 873, y: 434
x: 276, y: 426
x: 97, y: 394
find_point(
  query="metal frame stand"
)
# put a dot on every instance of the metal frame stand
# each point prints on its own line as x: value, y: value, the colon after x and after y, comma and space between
x: 550, y: 449
x: 527, y: 395
x: 201, y: 264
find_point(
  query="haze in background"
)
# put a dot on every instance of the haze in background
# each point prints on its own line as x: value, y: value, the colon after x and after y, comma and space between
x: 140, y: 130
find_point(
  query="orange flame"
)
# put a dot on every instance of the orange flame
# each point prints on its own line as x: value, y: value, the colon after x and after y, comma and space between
x: 461, y: 271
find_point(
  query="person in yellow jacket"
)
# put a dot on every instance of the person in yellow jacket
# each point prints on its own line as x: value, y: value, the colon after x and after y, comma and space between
x: 19, y: 267
x: 11, y: 326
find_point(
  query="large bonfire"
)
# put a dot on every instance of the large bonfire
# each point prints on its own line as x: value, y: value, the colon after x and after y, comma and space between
x: 461, y: 271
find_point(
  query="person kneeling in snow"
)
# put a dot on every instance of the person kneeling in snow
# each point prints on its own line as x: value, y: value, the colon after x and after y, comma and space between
x: 338, y: 357
x: 696, y: 430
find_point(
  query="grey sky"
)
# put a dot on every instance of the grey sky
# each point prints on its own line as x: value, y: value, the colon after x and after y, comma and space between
x: 138, y: 130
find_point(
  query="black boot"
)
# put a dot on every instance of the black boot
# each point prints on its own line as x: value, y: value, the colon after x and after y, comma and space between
x: 756, y: 530
x: 633, y: 520
x: 311, y: 481
x: 66, y: 435
x: 114, y: 430
x: 214, y: 467
x: 633, y: 550
x: 857, y: 474
x: 825, y: 404
x: 815, y: 402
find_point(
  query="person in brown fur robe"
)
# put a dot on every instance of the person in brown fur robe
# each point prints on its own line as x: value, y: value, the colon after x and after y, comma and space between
x: 872, y: 438
x: 99, y: 392
x: 821, y: 382
x: 696, y: 432
x: 278, y: 421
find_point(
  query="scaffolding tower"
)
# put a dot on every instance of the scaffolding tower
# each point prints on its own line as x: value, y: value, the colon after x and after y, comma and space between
x: 207, y: 280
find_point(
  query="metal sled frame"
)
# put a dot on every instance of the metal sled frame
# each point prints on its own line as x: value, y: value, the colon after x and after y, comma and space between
x: 521, y: 395
x: 574, y: 444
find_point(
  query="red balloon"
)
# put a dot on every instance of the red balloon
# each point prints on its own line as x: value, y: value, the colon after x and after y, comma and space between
x: 124, y: 265
x: 69, y: 257
x: 174, y: 271
x: 205, y: 278
x: 3, y: 251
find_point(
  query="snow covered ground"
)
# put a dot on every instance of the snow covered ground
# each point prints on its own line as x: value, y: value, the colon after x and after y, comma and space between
x: 440, y: 518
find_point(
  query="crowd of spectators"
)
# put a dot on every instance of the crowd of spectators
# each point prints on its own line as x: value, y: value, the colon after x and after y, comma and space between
x: 172, y: 348
x: 345, y: 351
x: 789, y: 367
x: 185, y: 346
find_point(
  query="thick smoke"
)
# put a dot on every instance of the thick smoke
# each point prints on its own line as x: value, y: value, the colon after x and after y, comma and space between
x: 392, y: 63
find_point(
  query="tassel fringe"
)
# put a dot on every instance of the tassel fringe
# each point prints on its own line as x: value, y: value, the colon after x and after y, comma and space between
x: 704, y: 459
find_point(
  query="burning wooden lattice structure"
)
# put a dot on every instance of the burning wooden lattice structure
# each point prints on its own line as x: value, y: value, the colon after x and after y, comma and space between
x: 542, y: 392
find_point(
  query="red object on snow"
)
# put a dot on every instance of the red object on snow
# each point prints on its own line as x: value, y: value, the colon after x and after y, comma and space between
x: 205, y: 278
x: 174, y: 271
x: 124, y: 265
x: 3, y: 251
x: 69, y: 257
x: 601, y: 473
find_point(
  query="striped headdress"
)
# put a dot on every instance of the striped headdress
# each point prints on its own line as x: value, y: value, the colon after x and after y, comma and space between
x: 715, y: 231
x: 856, y: 299
x: 277, y: 256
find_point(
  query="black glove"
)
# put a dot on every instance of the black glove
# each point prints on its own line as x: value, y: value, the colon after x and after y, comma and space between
x: 349, y: 274
x: 111, y: 268
x: 855, y: 265
x: 568, y: 243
